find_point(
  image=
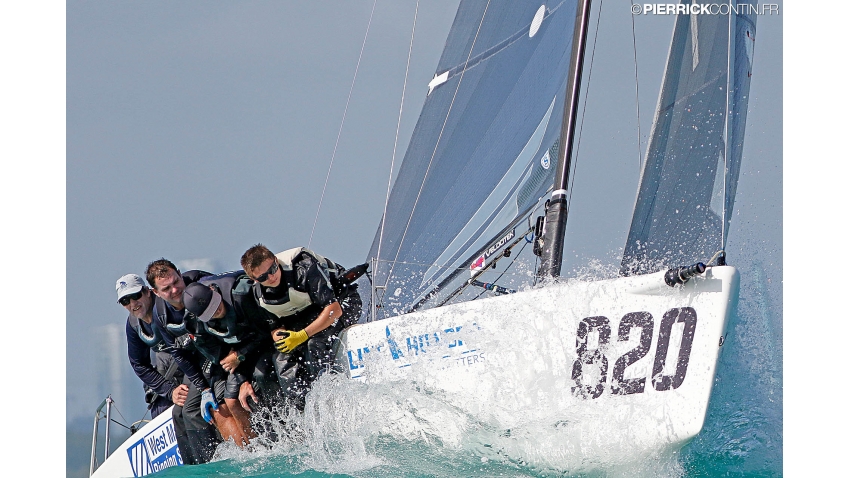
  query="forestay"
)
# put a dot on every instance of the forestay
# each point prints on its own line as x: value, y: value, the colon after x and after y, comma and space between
x: 689, y: 178
x: 484, y: 148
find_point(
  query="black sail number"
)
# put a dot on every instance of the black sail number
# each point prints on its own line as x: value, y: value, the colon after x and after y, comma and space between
x: 687, y: 316
x: 592, y: 360
x: 627, y: 386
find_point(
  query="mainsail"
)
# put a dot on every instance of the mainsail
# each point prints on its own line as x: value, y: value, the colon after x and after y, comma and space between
x: 484, y: 148
x: 689, y: 178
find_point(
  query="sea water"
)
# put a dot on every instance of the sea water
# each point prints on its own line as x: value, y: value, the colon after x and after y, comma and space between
x: 404, y: 428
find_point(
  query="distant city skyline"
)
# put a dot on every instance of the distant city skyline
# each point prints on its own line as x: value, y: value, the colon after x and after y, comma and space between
x: 114, y: 377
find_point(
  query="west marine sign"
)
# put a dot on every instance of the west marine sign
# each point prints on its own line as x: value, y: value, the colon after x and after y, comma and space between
x: 155, y: 451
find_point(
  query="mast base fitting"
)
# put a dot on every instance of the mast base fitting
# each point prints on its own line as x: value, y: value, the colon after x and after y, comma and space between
x: 680, y: 275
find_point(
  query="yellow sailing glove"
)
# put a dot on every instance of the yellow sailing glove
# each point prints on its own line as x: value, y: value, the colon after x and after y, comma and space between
x: 290, y: 340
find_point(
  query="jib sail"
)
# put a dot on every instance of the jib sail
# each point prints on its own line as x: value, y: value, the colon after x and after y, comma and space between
x: 689, y: 178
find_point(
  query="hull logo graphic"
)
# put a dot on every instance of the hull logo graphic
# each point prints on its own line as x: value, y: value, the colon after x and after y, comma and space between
x: 155, y: 451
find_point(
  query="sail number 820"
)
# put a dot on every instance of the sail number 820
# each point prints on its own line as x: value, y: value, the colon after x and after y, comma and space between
x: 597, y: 363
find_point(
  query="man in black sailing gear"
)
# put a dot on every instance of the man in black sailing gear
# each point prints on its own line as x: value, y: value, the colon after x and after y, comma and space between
x: 167, y: 283
x: 309, y: 305
x: 162, y: 381
x: 228, y: 327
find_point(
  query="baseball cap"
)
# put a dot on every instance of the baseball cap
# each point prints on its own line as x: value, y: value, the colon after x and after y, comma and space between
x: 128, y: 284
x: 201, y: 301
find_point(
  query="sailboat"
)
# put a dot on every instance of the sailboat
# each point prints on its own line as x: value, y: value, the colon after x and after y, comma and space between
x: 633, y: 357
x: 487, y: 171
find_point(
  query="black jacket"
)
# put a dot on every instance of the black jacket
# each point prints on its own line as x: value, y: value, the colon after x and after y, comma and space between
x: 171, y: 326
x: 243, y: 328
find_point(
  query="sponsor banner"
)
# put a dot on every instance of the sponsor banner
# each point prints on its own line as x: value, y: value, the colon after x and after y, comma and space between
x: 442, y: 344
x: 595, y: 350
x: 155, y: 451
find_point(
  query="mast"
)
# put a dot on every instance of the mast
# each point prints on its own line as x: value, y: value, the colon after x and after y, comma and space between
x: 555, y: 224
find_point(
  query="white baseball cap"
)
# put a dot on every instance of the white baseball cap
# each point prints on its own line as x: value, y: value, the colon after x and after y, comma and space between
x: 128, y: 284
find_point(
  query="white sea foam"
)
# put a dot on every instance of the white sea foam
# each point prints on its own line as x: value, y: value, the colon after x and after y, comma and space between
x: 481, y: 421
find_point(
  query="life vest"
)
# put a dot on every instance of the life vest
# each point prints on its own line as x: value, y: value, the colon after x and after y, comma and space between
x: 236, y: 290
x: 153, y: 340
x: 294, y: 301
x: 177, y: 330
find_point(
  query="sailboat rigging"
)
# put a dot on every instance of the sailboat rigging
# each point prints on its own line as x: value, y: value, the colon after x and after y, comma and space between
x: 478, y: 165
x: 485, y: 164
x: 441, y: 230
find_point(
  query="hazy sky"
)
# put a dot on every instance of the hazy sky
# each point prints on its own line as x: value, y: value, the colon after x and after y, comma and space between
x: 196, y: 129
x: 193, y: 130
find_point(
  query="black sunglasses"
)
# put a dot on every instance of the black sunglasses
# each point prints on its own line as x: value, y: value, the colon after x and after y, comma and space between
x: 127, y: 298
x: 265, y: 276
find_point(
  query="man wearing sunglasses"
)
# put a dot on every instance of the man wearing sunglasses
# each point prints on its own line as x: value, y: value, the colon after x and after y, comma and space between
x: 164, y: 378
x: 310, y: 305
x: 162, y: 382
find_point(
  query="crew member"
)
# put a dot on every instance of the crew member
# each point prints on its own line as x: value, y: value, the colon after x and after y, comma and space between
x: 228, y: 327
x: 201, y: 411
x: 162, y: 382
x: 310, y: 304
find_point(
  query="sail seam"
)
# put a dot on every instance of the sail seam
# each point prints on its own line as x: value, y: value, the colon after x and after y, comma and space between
x: 490, y: 52
x: 697, y: 91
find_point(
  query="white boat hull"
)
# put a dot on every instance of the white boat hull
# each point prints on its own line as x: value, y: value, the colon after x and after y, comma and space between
x: 150, y: 449
x: 625, y: 397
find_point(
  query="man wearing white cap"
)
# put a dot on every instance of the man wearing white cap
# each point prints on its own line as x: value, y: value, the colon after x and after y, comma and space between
x: 162, y: 381
x: 134, y: 296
